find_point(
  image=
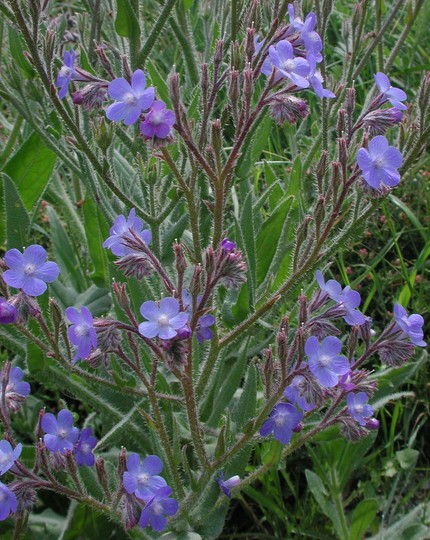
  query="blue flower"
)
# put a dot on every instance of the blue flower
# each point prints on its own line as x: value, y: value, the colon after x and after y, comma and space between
x: 8, y: 312
x: 324, y: 361
x: 316, y: 79
x: 359, y: 410
x: 282, y: 420
x: 81, y: 333
x: 8, y: 455
x: 293, y: 393
x: 307, y: 35
x: 16, y: 389
x: 142, y: 477
x: 295, y: 69
x: 203, y: 331
x: 229, y: 484
x: 379, y: 163
x: 121, y: 231
x: 67, y: 73
x: 29, y: 270
x: 346, y: 298
x: 84, y: 448
x: 394, y: 95
x: 158, y: 122
x: 61, y: 435
x: 412, y: 325
x: 164, y: 320
x: 8, y: 502
x: 131, y: 100
x: 156, y: 506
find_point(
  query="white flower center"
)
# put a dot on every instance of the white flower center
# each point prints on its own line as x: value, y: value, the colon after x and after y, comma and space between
x: 280, y: 420
x: 130, y: 99
x: 325, y: 360
x: 358, y: 408
x: 157, y: 118
x: 82, y: 330
x: 4, y: 458
x: 380, y: 162
x: 29, y: 269
x: 62, y: 433
x: 65, y: 71
x: 288, y: 65
x: 143, y: 478
x: 156, y: 508
x: 163, y: 320
x: 86, y: 448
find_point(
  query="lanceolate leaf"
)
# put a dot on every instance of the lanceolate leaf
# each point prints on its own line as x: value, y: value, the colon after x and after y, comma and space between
x: 17, y: 220
x: 126, y: 22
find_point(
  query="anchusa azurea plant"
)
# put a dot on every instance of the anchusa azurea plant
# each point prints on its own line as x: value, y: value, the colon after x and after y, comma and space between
x: 174, y: 313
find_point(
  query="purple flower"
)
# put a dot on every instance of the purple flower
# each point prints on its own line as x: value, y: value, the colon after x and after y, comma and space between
x: 324, y: 361
x: 81, y: 333
x: 8, y: 313
x: 203, y: 332
x: 412, y: 325
x: 346, y: 298
x: 394, y: 95
x: 345, y: 381
x: 156, y: 506
x: 282, y: 420
x: 8, y: 455
x: 229, y: 484
x: 84, y: 448
x: 8, y: 502
x: 228, y: 245
x: 293, y: 393
x: 307, y: 35
x: 142, y: 477
x: 67, y: 73
x: 158, y: 122
x: 61, y: 435
x: 164, y: 320
x: 379, y: 163
x: 131, y: 100
x: 360, y: 411
x: 316, y: 79
x: 120, y: 231
x: 16, y: 389
x: 29, y: 271
x: 295, y: 69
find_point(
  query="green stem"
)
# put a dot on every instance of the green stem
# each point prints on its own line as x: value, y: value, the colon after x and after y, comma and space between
x: 183, y: 35
x: 155, y: 32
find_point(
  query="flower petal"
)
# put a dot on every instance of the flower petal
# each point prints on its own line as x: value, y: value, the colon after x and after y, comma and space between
x: 170, y: 307
x: 14, y: 259
x: 152, y: 465
x: 117, y: 111
x: 150, y: 310
x: 35, y: 254
x: 118, y: 88
x: 149, y: 329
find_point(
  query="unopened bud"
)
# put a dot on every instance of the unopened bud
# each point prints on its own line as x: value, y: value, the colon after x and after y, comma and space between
x: 250, y: 44
x: 341, y: 125
x: 216, y: 137
x: 377, y: 122
x: 180, y: 261
x: 126, y: 68
x: 372, y: 423
x: 195, y: 285
x: 335, y: 177
x: 122, y: 462
x: 218, y: 51
x: 56, y: 315
x: 120, y: 293
x: 102, y: 475
x: 175, y: 96
x: 303, y: 310
x: 288, y: 109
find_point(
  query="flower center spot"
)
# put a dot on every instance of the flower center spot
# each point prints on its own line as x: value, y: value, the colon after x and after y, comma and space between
x: 62, y: 433
x: 130, y: 99
x: 163, y: 320
x: 325, y: 360
x: 143, y: 478
x: 29, y: 269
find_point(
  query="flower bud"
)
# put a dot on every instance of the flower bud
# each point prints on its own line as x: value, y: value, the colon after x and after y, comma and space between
x: 372, y: 423
x: 102, y: 475
x: 122, y: 462
x: 250, y: 45
x: 377, y: 122
x: 121, y: 296
x: 108, y: 335
x: 195, y: 285
x: 180, y: 261
x: 174, y: 90
x: 288, y: 109
x: 218, y: 51
x: 8, y: 312
x: 135, y: 265
x: 25, y: 494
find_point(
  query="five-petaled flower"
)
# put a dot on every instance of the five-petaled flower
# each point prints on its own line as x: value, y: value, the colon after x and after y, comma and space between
x: 324, y: 361
x: 157, y: 506
x: 411, y: 325
x: 295, y: 69
x: 158, y: 122
x: 394, y: 95
x: 142, y: 477
x: 8, y: 455
x: 120, y: 231
x: 293, y: 393
x: 131, y: 100
x: 29, y: 270
x: 84, y: 448
x: 163, y: 320
x: 60, y: 434
x: 282, y: 420
x: 358, y: 407
x: 379, y: 163
x: 81, y: 332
